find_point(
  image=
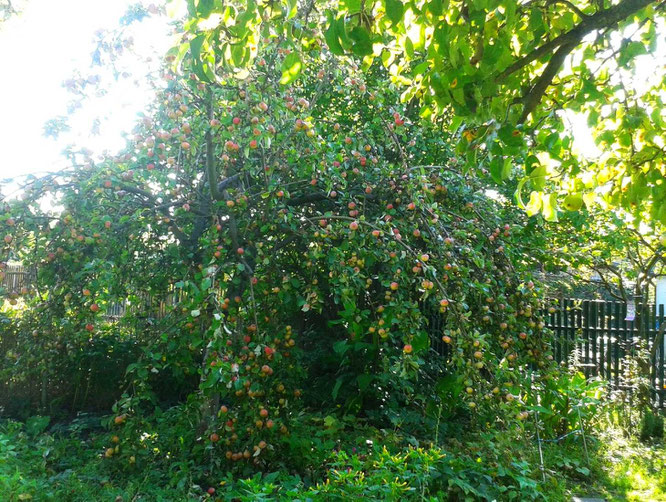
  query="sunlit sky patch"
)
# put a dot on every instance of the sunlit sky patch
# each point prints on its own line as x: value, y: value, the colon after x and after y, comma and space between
x: 46, y: 45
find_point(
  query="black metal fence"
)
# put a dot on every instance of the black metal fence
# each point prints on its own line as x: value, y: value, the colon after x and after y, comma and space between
x: 599, y: 338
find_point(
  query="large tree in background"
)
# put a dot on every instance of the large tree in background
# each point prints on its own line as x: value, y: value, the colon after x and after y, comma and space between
x: 504, y: 74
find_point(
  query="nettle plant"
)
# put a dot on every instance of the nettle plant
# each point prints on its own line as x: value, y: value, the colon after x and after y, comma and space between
x: 309, y: 241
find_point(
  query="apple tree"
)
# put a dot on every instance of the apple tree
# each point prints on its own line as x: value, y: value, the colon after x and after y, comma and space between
x: 293, y: 237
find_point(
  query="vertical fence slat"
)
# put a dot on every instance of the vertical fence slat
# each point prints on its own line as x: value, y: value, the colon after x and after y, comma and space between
x: 616, y: 343
x: 601, y: 334
x: 578, y: 329
x: 662, y: 387
x: 593, y: 341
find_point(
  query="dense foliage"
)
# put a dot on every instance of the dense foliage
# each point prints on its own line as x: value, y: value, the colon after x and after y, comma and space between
x: 507, y: 76
x: 270, y: 245
x: 297, y: 266
x: 64, y: 464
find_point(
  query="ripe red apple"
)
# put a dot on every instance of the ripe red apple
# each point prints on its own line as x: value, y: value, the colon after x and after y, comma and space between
x: 394, y: 286
x: 353, y: 225
x: 94, y: 307
x: 90, y: 327
x: 407, y: 349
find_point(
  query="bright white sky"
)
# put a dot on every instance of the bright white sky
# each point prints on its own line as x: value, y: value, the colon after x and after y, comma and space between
x: 39, y: 50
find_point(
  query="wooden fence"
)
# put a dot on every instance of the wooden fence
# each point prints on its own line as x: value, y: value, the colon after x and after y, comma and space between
x: 597, y: 337
x: 14, y: 277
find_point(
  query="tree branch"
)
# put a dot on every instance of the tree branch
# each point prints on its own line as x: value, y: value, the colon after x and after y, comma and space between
x: 533, y: 97
x: 603, y: 19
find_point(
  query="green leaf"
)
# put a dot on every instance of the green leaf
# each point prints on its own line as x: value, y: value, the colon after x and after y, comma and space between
x: 291, y: 68
x: 336, y: 387
x: 195, y: 46
x: 341, y: 32
x: 205, y: 8
x: 394, y: 10
x: 361, y: 43
x: 340, y: 347
x: 421, y: 341
x: 331, y: 37
x: 549, y: 210
x: 364, y: 381
x: 36, y: 424
x: 500, y: 169
x: 238, y: 54
x: 436, y: 7
x: 629, y: 51
x: 534, y: 205
x: 538, y: 177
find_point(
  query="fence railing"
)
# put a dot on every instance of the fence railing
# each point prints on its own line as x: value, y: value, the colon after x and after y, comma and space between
x: 597, y: 336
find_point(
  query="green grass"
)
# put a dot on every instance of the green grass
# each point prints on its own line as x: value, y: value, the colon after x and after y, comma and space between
x: 67, y: 464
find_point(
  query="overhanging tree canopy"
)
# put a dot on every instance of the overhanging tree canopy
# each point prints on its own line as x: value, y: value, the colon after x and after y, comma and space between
x: 502, y: 73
